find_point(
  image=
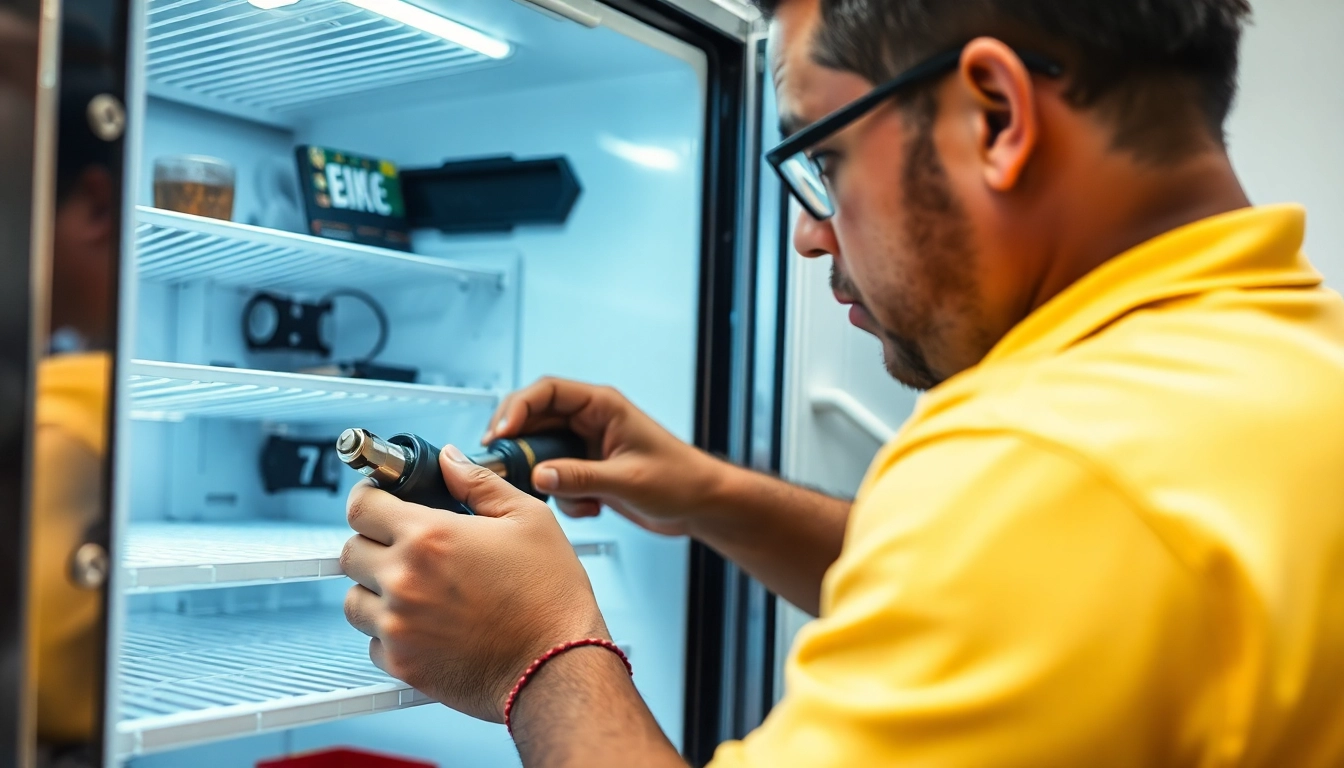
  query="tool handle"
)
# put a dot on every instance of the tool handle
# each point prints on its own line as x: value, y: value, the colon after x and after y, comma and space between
x: 522, y: 454
x: 422, y: 481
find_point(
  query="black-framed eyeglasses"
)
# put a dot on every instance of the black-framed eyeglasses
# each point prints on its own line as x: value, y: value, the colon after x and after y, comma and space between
x: 801, y: 173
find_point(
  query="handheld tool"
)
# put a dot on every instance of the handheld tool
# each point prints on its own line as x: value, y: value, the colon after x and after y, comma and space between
x: 407, y: 466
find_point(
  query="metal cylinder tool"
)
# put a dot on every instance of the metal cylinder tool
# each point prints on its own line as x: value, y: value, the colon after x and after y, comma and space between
x: 407, y: 466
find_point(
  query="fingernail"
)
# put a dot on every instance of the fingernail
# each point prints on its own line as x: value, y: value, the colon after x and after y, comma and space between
x: 500, y: 427
x: 455, y: 455
x: 546, y: 479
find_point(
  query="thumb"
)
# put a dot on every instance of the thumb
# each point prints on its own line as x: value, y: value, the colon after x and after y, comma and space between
x: 567, y: 478
x: 484, y: 492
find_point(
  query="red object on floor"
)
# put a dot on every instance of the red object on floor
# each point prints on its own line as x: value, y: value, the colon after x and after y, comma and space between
x: 343, y: 758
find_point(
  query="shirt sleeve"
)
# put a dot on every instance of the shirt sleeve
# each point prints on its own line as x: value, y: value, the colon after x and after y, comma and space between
x: 998, y: 603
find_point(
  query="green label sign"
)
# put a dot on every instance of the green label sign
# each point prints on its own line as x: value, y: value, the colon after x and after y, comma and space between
x: 355, y: 198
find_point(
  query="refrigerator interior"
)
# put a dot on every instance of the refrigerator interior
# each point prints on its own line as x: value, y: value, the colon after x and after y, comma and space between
x: 228, y: 640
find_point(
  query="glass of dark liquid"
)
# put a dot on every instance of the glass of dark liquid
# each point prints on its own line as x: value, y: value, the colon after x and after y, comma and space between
x: 195, y: 184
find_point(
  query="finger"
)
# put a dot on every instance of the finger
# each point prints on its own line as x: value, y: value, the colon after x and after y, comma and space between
x: 550, y: 403
x: 507, y: 420
x: 378, y: 655
x: 579, y: 508
x: 492, y: 426
x: 513, y: 414
x: 577, y: 478
x: 378, y: 514
x: 484, y: 492
x: 362, y: 609
x: 531, y: 425
x: 362, y: 559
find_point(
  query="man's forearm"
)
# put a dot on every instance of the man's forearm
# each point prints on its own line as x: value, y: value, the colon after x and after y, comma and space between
x: 581, y: 709
x: 784, y: 535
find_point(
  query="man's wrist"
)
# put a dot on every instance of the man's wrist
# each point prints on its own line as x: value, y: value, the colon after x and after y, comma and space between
x: 584, y: 711
x: 580, y: 696
x: 584, y: 667
x: 726, y: 487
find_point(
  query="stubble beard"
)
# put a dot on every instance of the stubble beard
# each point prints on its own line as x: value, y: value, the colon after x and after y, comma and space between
x: 938, y: 235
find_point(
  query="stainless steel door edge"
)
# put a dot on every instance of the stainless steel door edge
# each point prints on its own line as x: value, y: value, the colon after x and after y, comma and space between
x: 732, y: 17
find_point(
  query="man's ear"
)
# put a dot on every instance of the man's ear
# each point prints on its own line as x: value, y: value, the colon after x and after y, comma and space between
x: 1007, y: 124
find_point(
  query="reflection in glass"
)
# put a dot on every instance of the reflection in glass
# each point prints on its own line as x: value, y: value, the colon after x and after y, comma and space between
x: 70, y: 444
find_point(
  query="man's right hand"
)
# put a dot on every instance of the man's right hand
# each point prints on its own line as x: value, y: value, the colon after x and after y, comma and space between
x: 636, y: 467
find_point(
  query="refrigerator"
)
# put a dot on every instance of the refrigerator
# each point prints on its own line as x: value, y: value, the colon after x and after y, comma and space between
x: 578, y: 193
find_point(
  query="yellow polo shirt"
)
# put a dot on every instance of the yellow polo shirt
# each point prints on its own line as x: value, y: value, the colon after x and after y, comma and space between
x: 68, y: 497
x: 1119, y: 541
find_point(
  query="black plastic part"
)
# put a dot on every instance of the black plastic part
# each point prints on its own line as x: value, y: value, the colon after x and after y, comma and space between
x: 492, y: 194
x: 359, y: 369
x: 299, y: 465
x: 422, y: 481
x: 521, y: 455
x: 298, y: 326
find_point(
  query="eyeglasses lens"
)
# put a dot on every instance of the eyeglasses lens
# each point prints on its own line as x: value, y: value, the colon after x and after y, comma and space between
x: 804, y: 179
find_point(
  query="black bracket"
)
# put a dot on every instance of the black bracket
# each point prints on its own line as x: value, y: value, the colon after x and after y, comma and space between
x: 492, y: 194
x: 300, y: 464
x: 273, y: 322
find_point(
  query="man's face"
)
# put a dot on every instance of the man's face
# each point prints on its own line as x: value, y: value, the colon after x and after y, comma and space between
x: 900, y: 241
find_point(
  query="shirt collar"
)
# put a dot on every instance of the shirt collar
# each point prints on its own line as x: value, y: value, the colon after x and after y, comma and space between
x: 1249, y: 248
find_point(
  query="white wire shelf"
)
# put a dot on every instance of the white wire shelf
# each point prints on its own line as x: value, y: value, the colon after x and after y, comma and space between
x: 176, y: 556
x: 185, y: 680
x: 194, y: 679
x: 175, y: 391
x: 277, y: 65
x: 176, y: 247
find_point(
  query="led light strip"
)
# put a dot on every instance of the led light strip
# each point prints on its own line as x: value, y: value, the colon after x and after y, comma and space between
x: 414, y: 16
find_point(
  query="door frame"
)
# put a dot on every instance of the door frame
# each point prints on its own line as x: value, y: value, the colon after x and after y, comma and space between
x: 26, y: 170
x: 720, y: 633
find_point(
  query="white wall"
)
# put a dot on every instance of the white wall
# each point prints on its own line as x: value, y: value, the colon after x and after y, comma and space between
x: 1287, y: 131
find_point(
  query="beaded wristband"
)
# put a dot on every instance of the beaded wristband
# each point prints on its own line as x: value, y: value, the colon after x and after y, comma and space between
x: 551, y: 654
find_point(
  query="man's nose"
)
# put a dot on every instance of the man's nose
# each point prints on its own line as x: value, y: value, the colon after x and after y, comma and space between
x: 813, y: 238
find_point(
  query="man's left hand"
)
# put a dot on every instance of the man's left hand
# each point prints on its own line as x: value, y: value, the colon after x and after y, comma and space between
x: 459, y: 605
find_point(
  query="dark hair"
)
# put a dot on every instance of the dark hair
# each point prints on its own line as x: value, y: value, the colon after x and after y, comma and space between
x: 1144, y: 63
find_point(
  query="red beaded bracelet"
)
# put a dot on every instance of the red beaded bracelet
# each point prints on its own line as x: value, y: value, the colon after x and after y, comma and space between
x: 551, y: 654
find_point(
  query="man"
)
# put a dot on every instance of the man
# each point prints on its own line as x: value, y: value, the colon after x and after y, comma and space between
x: 1112, y: 534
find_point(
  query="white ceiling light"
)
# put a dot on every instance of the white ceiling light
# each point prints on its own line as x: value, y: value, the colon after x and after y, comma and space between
x: 413, y: 16
x: 267, y: 5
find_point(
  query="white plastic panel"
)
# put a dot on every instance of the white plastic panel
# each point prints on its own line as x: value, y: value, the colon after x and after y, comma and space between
x: 190, y: 679
x: 174, y: 391
x: 1282, y: 135
x: 177, y: 248
x: 271, y: 64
